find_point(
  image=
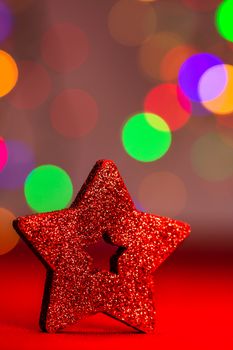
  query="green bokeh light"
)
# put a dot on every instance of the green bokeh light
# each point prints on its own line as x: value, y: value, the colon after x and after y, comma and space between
x: 48, y: 188
x: 224, y: 19
x: 146, y: 137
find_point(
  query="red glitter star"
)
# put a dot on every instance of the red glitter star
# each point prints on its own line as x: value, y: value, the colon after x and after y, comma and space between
x: 74, y: 289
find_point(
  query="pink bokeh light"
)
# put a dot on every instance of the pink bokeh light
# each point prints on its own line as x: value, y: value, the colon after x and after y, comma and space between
x: 3, y: 154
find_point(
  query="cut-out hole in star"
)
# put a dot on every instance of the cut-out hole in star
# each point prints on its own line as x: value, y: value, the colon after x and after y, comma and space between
x: 105, y: 254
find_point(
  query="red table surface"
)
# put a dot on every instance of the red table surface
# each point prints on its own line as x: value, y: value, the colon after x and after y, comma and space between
x: 194, y: 300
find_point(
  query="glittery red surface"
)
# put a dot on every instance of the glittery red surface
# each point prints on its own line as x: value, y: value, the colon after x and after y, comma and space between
x: 74, y: 289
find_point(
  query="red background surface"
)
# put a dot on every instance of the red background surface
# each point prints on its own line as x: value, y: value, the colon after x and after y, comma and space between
x: 194, y: 290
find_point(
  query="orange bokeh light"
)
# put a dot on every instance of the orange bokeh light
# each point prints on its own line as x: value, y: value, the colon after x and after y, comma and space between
x: 222, y: 104
x: 8, y: 73
x: 152, y: 52
x: 173, y: 60
x: 8, y: 236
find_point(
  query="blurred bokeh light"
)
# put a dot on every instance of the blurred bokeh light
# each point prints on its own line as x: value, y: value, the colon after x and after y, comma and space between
x: 212, y: 159
x: 48, y: 188
x: 3, y: 153
x: 185, y: 23
x: 8, y: 236
x: 8, y: 73
x: 169, y: 102
x: 224, y: 19
x: 131, y: 22
x: 191, y: 72
x: 146, y: 137
x: 145, y: 83
x: 153, y: 51
x: 6, y: 21
x: 213, y: 83
x: 64, y: 47
x: 173, y: 59
x: 217, y: 80
x: 74, y: 113
x: 33, y: 86
x: 20, y: 162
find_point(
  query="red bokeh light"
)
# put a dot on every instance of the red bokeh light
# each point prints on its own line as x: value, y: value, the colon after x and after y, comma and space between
x: 168, y: 101
x: 32, y: 88
x: 74, y: 113
x: 64, y: 47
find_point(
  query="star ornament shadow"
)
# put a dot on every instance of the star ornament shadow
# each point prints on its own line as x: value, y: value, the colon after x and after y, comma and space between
x: 74, y: 289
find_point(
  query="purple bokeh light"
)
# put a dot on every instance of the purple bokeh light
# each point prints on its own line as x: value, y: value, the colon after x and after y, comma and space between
x: 6, y: 21
x: 191, y: 72
x: 3, y: 154
x: 212, y: 83
x: 20, y: 162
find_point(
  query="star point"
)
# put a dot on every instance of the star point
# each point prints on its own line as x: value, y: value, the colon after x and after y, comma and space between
x: 74, y: 289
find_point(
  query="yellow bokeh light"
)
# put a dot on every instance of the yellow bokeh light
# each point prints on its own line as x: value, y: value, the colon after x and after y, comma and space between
x: 8, y: 236
x: 157, y: 123
x: 8, y: 73
x: 222, y: 104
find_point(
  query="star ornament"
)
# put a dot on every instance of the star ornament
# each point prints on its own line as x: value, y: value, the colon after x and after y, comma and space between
x: 74, y: 288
